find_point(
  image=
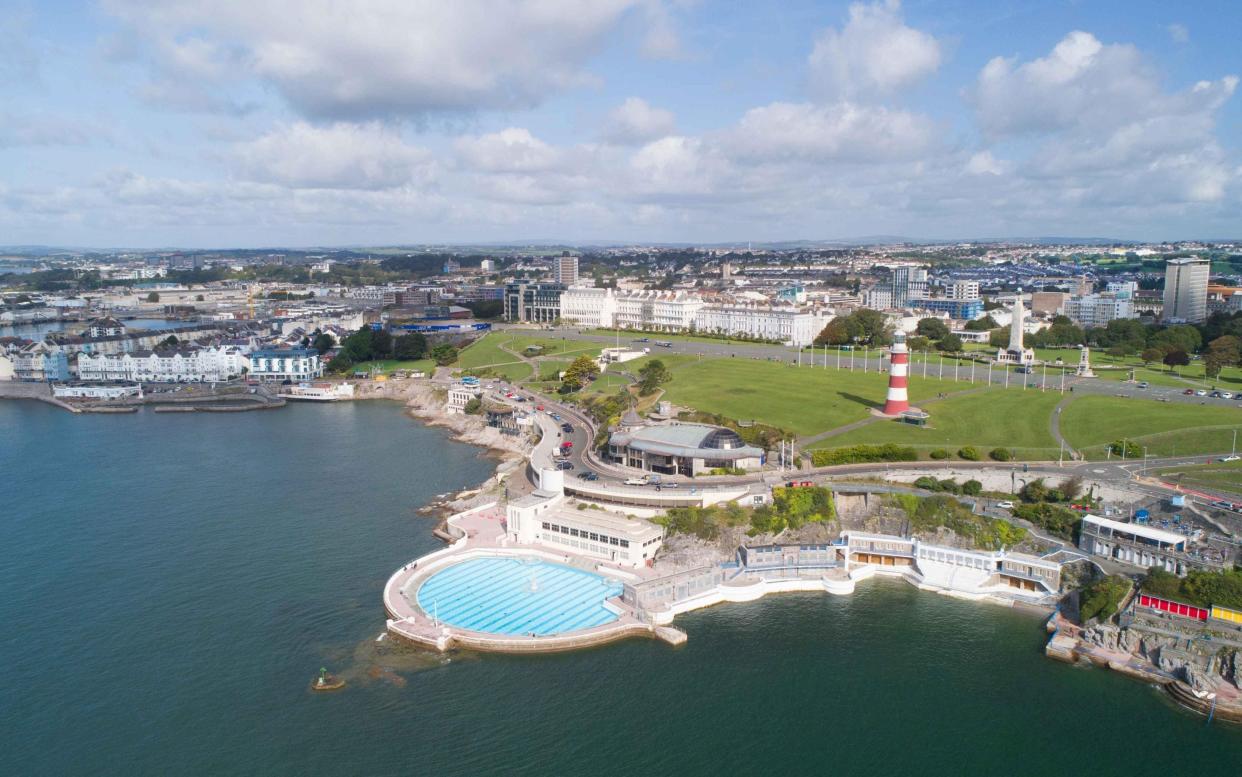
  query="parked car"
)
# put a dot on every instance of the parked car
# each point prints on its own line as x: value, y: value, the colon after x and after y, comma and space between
x: 1006, y: 505
x: 1188, y: 392
x: 566, y: 445
x: 565, y: 465
x: 588, y: 475
x: 1214, y: 395
x: 1226, y: 395
x: 567, y: 428
x: 1232, y: 457
x: 636, y: 481
x: 1201, y: 393
x: 1143, y: 384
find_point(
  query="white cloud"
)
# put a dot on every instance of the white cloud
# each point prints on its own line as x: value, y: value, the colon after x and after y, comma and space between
x: 874, y: 54
x: 512, y: 150
x: 1103, y: 124
x: 384, y: 58
x: 636, y: 121
x: 1178, y: 33
x: 339, y: 156
x: 983, y: 163
x: 842, y: 132
x: 43, y: 129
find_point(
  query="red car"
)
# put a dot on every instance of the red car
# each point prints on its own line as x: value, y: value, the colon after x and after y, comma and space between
x: 566, y: 445
x: 539, y: 407
x: 1189, y: 391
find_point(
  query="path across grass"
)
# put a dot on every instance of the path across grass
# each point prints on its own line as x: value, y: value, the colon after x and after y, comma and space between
x: 989, y: 418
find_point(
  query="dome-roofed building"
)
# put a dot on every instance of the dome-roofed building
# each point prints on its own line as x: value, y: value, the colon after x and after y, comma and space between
x: 681, y: 449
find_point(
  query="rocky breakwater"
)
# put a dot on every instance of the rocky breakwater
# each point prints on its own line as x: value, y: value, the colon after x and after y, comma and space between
x: 1198, y: 671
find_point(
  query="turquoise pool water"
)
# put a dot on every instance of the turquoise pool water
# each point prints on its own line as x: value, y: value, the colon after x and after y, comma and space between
x: 518, y: 596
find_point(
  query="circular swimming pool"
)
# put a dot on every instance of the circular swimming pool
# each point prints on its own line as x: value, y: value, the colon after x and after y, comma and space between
x: 520, y: 596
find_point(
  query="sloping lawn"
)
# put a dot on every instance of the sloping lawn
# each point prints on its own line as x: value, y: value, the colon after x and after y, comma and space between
x: 1165, y: 428
x: 993, y: 418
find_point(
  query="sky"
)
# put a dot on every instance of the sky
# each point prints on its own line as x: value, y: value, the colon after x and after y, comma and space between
x: 231, y: 123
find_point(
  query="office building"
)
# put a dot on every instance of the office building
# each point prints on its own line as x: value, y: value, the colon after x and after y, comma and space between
x: 535, y: 302
x: 1185, y: 290
x: 565, y: 269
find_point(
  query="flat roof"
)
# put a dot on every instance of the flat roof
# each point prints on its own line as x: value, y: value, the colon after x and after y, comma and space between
x: 607, y: 522
x: 1159, y: 535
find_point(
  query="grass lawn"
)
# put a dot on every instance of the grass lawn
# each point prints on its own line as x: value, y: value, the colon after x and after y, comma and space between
x: 487, y: 354
x: 993, y: 418
x: 804, y: 400
x: 1219, y: 475
x: 1090, y: 423
x: 386, y: 366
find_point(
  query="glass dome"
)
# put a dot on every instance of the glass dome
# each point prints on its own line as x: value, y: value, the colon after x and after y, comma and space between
x: 722, y: 439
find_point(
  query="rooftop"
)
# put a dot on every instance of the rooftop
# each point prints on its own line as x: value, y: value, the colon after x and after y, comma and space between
x: 1138, y: 530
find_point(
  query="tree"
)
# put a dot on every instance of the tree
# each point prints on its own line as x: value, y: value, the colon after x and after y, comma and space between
x: 999, y: 338
x: 169, y: 342
x: 153, y: 297
x: 1221, y: 352
x: 199, y: 298
x: 473, y: 407
x: 972, y: 488
x: 918, y: 343
x: 932, y: 328
x: 444, y: 354
x: 357, y: 347
x: 840, y: 331
x: 981, y: 324
x: 579, y: 373
x: 1152, y: 354
x: 340, y: 363
x: 323, y: 343
x: 381, y: 343
x: 1176, y: 358
x: 1183, y: 337
x: 950, y: 343
x: 652, y: 375
x: 409, y: 347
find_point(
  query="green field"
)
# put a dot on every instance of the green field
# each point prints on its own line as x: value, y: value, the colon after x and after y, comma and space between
x: 1090, y: 423
x: 488, y: 354
x: 628, y: 337
x: 804, y: 400
x: 991, y: 418
x: 1219, y: 475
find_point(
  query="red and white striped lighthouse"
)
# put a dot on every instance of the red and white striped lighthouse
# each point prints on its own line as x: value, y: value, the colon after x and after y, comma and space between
x: 897, y: 400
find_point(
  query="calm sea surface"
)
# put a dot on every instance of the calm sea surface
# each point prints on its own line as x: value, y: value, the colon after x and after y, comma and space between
x: 37, y: 330
x: 170, y: 584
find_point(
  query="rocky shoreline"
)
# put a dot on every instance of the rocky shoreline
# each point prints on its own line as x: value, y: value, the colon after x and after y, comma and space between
x: 427, y: 404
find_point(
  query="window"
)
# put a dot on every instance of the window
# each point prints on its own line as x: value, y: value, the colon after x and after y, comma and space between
x: 545, y: 525
x: 573, y: 533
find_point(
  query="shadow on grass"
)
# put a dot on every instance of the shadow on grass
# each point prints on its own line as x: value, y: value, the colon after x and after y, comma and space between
x: 859, y: 400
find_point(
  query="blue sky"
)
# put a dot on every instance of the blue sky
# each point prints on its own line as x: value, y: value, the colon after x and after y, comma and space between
x: 308, y: 122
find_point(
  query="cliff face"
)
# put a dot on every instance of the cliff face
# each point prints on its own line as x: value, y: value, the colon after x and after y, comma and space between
x: 1200, y: 663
